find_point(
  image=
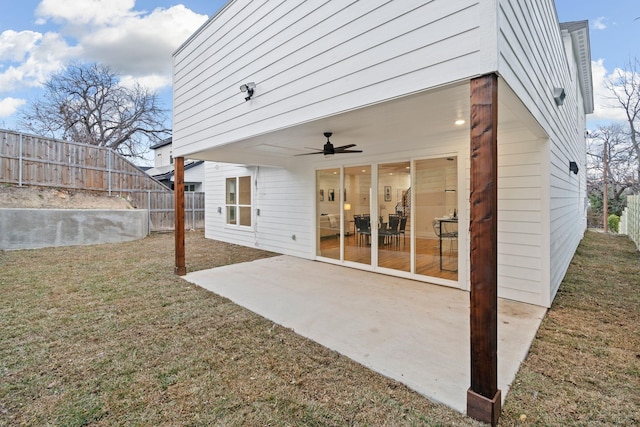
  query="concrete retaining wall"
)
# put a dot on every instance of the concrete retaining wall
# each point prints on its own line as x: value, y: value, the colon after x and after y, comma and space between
x: 40, y: 228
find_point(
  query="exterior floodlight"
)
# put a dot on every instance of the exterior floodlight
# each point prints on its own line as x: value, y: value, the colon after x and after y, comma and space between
x: 559, y: 95
x: 248, y: 88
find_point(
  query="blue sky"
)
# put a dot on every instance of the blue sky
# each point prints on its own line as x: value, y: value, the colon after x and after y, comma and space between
x: 137, y: 38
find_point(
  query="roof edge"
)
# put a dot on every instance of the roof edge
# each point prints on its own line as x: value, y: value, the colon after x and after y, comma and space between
x: 579, y: 31
x: 202, y: 27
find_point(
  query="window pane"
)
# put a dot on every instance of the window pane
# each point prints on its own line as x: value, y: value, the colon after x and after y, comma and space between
x: 231, y: 191
x: 231, y: 214
x: 328, y: 213
x: 357, y: 184
x: 394, y: 180
x: 245, y: 215
x: 436, y: 217
x: 244, y: 190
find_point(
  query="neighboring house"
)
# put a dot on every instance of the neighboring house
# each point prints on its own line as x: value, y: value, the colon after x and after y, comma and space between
x: 392, y: 78
x: 163, y: 169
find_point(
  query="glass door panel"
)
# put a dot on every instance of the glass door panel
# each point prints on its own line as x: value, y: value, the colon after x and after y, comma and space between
x: 436, y: 220
x: 328, y: 213
x: 357, y: 214
x: 394, y: 180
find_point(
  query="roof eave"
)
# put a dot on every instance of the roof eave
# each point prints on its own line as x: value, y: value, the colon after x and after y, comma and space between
x: 579, y: 31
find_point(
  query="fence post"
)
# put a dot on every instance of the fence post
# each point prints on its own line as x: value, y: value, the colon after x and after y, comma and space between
x: 20, y: 162
x: 148, y: 212
x: 109, y: 167
x: 632, y: 214
x: 193, y: 210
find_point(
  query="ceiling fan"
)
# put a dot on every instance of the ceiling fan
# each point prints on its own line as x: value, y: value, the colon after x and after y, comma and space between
x: 329, y: 149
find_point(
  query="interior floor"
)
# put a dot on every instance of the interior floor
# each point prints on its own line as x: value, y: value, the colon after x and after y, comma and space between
x: 395, y: 254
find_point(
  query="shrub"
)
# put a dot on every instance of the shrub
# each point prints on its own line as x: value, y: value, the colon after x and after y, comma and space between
x: 614, y: 222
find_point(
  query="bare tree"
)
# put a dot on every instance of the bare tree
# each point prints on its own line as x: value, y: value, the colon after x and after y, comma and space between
x: 625, y: 90
x: 86, y: 103
x: 611, y: 167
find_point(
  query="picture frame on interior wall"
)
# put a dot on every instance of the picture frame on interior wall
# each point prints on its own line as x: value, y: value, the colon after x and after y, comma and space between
x: 321, y: 195
x: 332, y: 195
x: 387, y: 193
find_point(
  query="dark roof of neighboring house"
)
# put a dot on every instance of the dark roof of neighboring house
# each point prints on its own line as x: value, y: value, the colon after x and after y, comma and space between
x: 164, y: 176
x: 169, y: 174
x: 162, y: 143
x: 193, y: 164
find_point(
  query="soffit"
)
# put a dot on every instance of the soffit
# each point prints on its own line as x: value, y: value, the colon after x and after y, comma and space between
x: 401, y: 125
x: 579, y: 31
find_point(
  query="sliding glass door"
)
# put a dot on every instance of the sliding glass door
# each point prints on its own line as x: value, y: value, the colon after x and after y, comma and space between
x: 410, y: 223
x: 328, y: 213
x: 357, y: 212
x: 394, y: 180
x: 436, y: 217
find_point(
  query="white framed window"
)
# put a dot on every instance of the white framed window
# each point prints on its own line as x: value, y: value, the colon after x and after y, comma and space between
x: 238, y: 200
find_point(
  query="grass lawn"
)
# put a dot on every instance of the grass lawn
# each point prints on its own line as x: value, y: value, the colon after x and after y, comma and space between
x: 107, y: 335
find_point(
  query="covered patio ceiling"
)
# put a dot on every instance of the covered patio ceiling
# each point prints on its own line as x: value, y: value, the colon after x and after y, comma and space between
x: 398, y: 125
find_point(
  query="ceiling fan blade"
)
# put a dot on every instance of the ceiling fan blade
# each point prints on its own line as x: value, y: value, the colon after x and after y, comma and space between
x: 306, y: 154
x: 348, y: 151
x: 345, y: 146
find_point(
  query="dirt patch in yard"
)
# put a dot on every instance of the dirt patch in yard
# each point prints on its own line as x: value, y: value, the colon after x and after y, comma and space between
x: 54, y: 198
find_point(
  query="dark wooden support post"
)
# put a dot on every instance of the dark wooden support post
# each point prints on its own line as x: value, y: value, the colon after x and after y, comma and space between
x: 178, y: 190
x: 483, y: 397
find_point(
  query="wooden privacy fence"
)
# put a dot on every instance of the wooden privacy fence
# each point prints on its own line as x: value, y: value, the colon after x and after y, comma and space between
x: 34, y: 160
x: 630, y: 219
x: 160, y: 205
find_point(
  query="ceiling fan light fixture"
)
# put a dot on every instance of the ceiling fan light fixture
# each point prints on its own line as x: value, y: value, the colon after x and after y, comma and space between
x: 328, y: 149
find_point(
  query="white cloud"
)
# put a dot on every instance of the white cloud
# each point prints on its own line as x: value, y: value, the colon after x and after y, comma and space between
x: 85, y: 12
x: 31, y: 62
x: 605, y: 106
x: 598, y: 23
x: 153, y: 81
x: 14, y: 45
x: 133, y: 43
x: 8, y: 106
x: 142, y: 45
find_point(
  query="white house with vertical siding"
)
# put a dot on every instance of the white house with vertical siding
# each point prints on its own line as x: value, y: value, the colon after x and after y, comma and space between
x: 391, y: 78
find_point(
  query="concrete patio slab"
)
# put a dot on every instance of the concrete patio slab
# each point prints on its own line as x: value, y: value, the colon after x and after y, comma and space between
x: 413, y: 332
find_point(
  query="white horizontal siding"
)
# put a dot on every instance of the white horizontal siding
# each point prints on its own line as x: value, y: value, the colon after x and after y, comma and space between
x: 285, y: 199
x: 312, y: 60
x: 520, y: 219
x: 532, y: 61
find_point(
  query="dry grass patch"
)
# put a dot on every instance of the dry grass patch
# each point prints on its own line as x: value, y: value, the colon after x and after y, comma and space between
x: 107, y: 335
x: 584, y: 365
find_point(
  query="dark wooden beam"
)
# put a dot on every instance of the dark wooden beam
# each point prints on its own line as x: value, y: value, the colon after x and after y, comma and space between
x: 483, y: 397
x: 178, y: 189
